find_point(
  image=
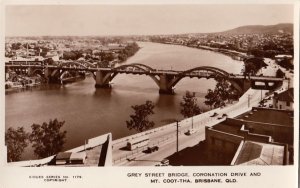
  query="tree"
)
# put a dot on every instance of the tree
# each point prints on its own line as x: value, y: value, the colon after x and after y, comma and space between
x: 139, y: 120
x: 250, y: 69
x: 211, y: 98
x: 280, y: 74
x: 222, y: 93
x: 47, y: 138
x: 16, y: 141
x: 253, y: 65
x: 189, y: 106
x: 49, y: 61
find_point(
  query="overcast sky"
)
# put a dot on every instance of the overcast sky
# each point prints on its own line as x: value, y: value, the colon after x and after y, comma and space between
x: 43, y: 20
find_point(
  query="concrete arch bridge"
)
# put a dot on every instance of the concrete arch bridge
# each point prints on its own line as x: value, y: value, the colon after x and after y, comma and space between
x: 166, y: 80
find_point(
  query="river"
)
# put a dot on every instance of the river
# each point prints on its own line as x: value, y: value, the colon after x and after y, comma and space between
x: 90, y: 112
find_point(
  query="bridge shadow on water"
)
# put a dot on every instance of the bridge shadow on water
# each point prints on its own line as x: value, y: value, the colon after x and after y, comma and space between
x: 103, y: 92
x: 166, y: 100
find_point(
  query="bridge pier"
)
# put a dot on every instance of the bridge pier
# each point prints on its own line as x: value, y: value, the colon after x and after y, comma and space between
x: 29, y: 71
x: 47, y: 73
x: 247, y: 84
x: 164, y: 85
x: 102, y: 80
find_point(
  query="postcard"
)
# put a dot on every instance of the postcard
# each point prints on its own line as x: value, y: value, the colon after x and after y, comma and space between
x: 141, y: 93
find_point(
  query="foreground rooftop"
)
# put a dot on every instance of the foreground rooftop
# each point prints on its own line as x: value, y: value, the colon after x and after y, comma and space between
x: 256, y: 153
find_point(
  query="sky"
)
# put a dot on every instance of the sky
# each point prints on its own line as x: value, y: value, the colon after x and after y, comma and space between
x: 84, y: 20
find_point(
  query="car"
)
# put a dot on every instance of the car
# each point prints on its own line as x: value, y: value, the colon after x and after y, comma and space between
x: 165, y: 162
x: 152, y: 149
x: 215, y: 114
x: 223, y: 116
x: 131, y: 158
x: 262, y: 105
x: 191, y: 131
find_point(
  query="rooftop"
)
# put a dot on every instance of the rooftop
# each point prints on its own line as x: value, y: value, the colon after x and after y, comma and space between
x: 91, y: 157
x: 272, y: 116
x: 255, y: 153
x: 232, y: 129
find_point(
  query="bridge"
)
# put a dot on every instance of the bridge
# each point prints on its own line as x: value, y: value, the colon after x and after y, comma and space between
x: 165, y: 79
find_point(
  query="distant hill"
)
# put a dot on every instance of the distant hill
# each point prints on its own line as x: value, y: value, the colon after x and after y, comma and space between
x: 260, y: 29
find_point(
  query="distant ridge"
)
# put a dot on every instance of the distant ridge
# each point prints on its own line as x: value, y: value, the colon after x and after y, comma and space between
x: 261, y: 29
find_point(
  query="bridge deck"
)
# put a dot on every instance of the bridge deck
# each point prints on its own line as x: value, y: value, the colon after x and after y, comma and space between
x: 199, y: 74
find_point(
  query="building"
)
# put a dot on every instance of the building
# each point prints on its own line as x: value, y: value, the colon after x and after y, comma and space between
x: 96, y: 152
x: 282, y: 56
x: 258, y: 137
x: 284, y: 100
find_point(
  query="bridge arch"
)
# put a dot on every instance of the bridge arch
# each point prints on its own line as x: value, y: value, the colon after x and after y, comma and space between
x: 64, y: 74
x: 208, y: 68
x: 143, y: 68
x: 207, y: 72
x: 78, y: 64
x: 135, y: 65
x: 38, y: 71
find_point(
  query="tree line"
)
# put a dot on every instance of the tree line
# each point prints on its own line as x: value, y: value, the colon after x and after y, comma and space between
x: 46, y: 139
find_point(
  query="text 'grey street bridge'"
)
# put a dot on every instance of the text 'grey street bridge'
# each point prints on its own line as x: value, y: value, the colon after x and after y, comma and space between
x: 165, y: 79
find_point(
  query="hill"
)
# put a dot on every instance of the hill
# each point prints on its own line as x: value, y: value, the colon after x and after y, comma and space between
x: 261, y: 29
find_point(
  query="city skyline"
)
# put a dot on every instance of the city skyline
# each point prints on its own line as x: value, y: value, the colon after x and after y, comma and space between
x: 104, y: 20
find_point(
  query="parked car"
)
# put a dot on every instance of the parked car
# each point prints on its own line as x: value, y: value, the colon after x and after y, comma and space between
x: 191, y: 131
x: 165, y: 162
x: 152, y: 149
x: 262, y: 105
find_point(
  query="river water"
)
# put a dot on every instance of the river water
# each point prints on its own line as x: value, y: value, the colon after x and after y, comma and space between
x: 90, y: 112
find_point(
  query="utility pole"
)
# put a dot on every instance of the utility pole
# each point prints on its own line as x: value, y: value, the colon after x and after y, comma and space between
x: 177, y: 144
x: 249, y: 101
x: 177, y: 131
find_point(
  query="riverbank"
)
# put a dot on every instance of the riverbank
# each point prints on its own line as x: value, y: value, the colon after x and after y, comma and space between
x: 231, y: 53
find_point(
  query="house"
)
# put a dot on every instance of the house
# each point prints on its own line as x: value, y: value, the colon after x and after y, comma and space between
x: 284, y: 100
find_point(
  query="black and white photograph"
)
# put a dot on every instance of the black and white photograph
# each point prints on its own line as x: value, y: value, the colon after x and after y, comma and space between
x: 153, y: 85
